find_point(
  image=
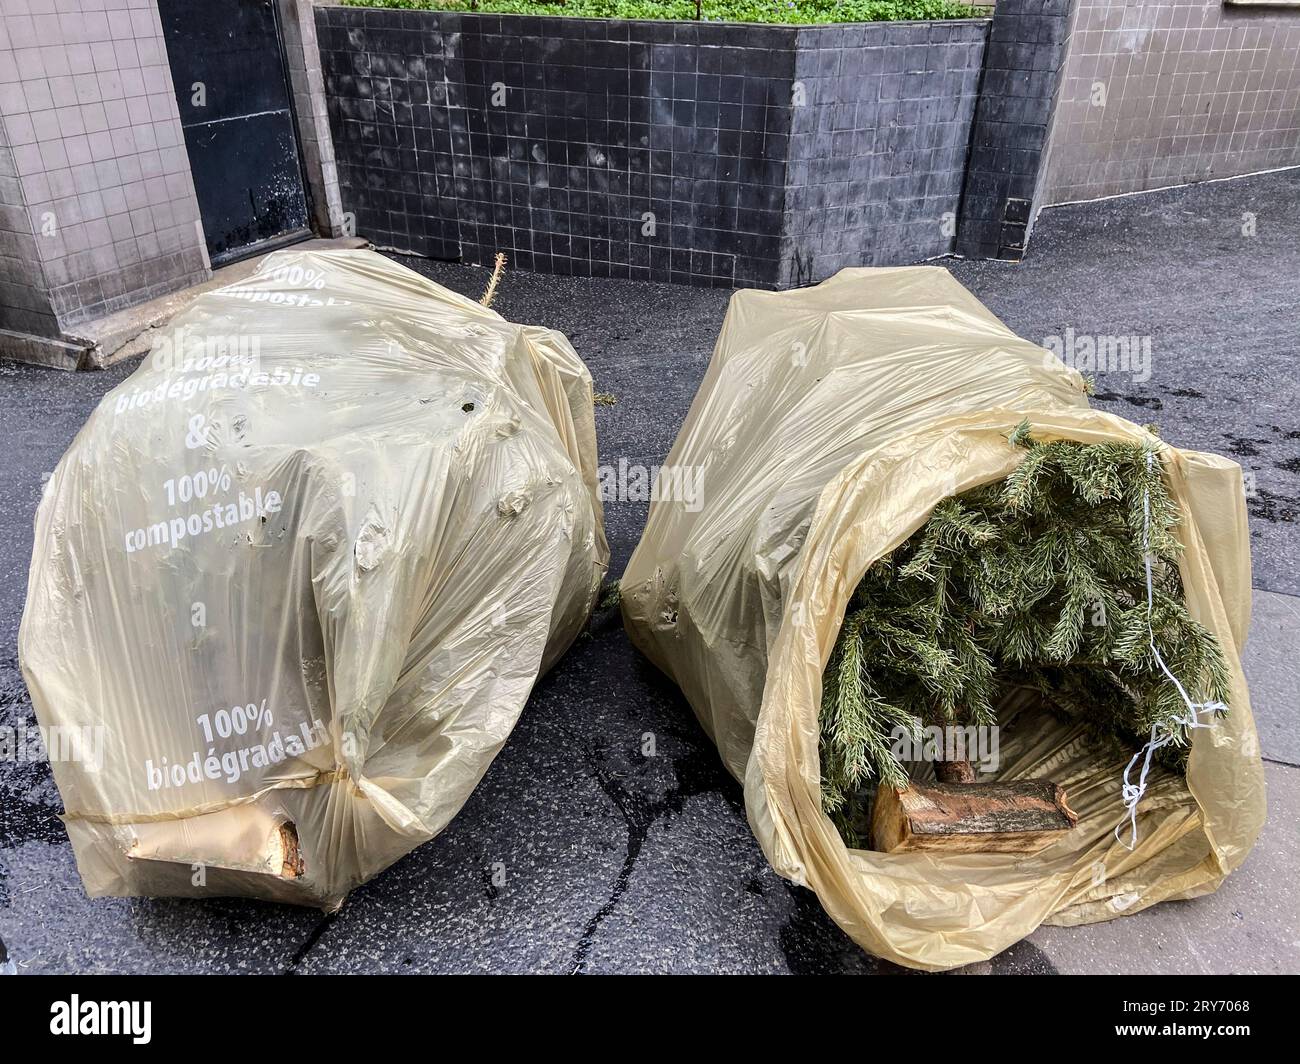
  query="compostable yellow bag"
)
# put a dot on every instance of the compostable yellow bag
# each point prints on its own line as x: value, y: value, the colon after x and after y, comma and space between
x: 830, y: 423
x: 297, y: 575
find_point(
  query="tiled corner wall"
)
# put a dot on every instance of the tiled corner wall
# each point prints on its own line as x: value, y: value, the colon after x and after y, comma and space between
x: 24, y: 300
x: 307, y: 83
x: 878, y: 143
x: 690, y: 152
x: 1027, y: 47
x: 1163, y: 92
x: 98, y: 156
x: 586, y: 147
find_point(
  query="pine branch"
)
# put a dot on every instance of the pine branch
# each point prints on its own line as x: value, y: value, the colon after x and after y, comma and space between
x: 1036, y: 581
x: 498, y: 268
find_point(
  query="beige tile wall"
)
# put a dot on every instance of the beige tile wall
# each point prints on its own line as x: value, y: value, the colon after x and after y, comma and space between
x: 91, y: 124
x: 302, y: 54
x: 1192, y: 90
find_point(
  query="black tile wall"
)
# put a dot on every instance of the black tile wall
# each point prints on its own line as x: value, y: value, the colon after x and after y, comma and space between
x: 690, y: 152
x: 880, y: 133
x: 1026, y: 50
x: 648, y: 150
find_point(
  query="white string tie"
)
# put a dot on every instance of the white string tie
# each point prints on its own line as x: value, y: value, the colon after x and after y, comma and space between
x: 1161, y: 734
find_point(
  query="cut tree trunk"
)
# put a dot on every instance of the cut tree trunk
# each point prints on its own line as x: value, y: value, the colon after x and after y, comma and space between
x: 1024, y: 816
x: 956, y: 771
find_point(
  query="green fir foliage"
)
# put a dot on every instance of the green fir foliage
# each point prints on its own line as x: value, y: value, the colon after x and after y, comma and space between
x: 1034, y: 581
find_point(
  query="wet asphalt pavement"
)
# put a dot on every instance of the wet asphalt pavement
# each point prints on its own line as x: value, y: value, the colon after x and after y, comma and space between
x: 616, y: 862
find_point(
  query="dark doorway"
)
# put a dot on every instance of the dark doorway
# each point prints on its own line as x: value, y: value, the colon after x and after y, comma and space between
x: 232, y: 89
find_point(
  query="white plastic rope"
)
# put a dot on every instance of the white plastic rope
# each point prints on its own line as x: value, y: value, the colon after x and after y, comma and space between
x: 1161, y: 734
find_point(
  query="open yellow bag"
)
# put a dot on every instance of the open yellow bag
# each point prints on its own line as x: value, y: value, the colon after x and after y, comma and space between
x: 830, y: 423
x: 297, y: 575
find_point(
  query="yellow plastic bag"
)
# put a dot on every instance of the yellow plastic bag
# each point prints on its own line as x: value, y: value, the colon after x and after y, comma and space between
x: 830, y: 423
x: 295, y: 578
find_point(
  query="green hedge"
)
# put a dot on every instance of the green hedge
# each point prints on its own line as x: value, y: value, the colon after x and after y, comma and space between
x: 790, y: 12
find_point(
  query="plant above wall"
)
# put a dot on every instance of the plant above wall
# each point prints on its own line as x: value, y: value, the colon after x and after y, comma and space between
x: 792, y: 12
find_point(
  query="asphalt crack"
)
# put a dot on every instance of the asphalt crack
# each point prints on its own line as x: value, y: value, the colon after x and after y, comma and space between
x: 697, y: 772
x: 326, y: 921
